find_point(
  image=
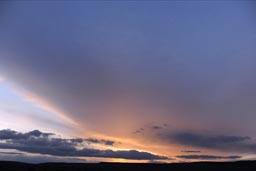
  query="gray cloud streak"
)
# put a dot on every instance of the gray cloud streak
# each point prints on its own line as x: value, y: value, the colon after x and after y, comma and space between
x: 191, y: 151
x: 207, y: 157
x: 38, y: 158
x: 96, y: 141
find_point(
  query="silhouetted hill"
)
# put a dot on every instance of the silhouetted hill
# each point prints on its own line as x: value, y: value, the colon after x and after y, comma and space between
x: 198, y: 166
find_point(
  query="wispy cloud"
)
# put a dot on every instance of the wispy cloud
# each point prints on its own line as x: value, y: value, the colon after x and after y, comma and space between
x: 139, y: 131
x: 156, y: 127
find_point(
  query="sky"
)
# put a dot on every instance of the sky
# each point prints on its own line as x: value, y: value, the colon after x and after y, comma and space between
x: 127, y: 81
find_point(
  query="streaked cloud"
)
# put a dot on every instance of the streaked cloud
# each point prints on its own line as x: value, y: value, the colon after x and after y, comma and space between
x: 191, y: 151
x: 208, y: 157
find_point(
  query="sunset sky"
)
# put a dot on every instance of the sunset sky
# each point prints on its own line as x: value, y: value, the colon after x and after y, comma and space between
x: 127, y: 81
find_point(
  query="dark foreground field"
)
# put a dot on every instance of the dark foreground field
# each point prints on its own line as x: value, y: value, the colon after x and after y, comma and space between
x: 201, y: 166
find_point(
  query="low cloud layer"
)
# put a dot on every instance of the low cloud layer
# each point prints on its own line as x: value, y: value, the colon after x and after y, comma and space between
x: 47, y: 143
x: 6, y: 156
x: 207, y: 157
x: 216, y: 142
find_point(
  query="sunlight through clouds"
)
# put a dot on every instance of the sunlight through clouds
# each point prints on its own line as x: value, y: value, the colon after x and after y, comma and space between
x: 158, y: 77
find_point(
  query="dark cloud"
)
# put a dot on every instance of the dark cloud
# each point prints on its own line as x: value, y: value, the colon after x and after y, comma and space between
x: 207, y: 140
x: 156, y: 127
x: 207, y: 157
x: 47, y: 143
x: 217, y: 142
x: 150, y: 127
x: 10, y: 153
x: 10, y: 134
x: 97, y: 141
x: 138, y: 131
x: 38, y: 158
x: 191, y: 151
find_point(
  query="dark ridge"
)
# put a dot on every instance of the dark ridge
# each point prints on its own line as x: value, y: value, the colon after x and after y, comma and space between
x: 197, y: 166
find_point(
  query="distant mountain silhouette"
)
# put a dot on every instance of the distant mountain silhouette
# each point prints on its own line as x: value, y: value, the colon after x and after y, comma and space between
x: 197, y: 166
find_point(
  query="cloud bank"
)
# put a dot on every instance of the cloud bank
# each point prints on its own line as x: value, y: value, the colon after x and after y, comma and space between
x: 46, y: 143
x: 5, y: 156
x: 217, y: 142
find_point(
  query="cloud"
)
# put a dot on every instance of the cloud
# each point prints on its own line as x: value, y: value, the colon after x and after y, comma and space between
x: 139, y: 131
x: 156, y: 127
x: 191, y: 151
x: 47, y: 143
x: 149, y: 128
x: 87, y: 71
x: 10, y: 153
x: 207, y: 140
x: 207, y: 157
x: 6, y: 156
x: 10, y: 134
x: 97, y: 141
x: 217, y: 142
